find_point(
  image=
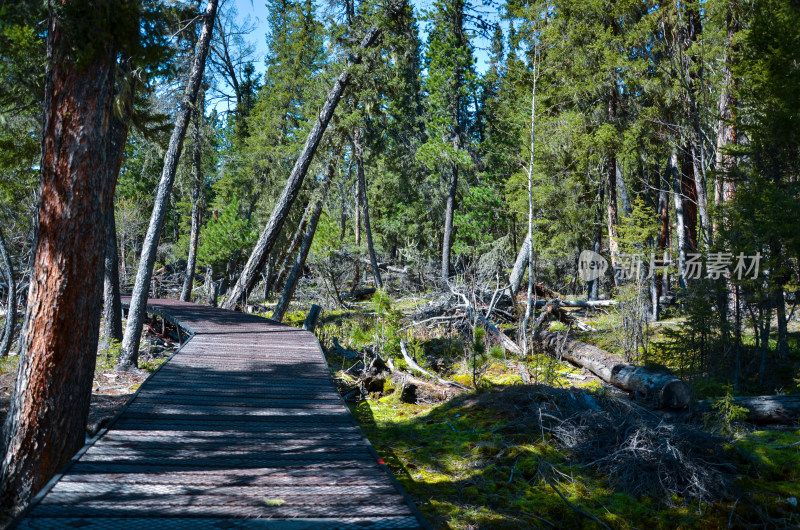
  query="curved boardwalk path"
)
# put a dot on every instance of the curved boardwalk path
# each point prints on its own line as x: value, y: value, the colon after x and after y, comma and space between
x: 241, y: 428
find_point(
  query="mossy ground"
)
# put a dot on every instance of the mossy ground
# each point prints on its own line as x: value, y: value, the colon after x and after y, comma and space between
x: 468, y: 466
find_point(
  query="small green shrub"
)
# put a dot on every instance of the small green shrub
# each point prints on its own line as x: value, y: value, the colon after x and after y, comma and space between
x: 108, y: 356
x: 725, y: 416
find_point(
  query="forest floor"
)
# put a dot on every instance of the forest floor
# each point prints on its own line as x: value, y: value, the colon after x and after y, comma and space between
x: 565, y: 451
x: 110, y: 390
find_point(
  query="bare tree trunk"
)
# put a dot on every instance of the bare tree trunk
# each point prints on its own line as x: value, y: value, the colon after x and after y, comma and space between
x: 612, y: 216
x: 783, y: 330
x: 529, y: 307
x: 680, y: 228
x: 726, y: 130
x: 624, y: 198
x: 271, y: 232
x: 702, y: 195
x: 663, y: 213
x: 276, y: 284
x: 447, y: 240
x: 112, y: 305
x: 197, y: 198
x: 129, y: 356
x: 308, y: 238
x: 518, y: 272
x: 593, y: 286
x: 48, y: 412
x: 364, y: 205
x: 11, y: 314
x: 357, y: 235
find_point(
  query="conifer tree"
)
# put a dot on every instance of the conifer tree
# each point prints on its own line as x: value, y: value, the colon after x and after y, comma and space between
x: 450, y: 61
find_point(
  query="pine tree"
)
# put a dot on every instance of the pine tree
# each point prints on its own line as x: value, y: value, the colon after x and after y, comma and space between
x: 449, y: 60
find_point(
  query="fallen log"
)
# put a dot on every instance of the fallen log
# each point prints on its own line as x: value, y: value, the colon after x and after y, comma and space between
x: 663, y: 388
x: 783, y: 410
x: 579, y: 303
x: 359, y: 294
x: 388, y: 268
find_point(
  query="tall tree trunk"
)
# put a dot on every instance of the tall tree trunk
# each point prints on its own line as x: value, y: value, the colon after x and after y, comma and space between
x: 726, y: 130
x: 129, y: 357
x: 593, y: 286
x: 449, y: 212
x: 11, y: 313
x: 612, y: 215
x: 680, y: 227
x: 663, y: 214
x: 364, y: 206
x: 783, y: 330
x: 197, y: 199
x: 456, y: 86
x: 529, y: 300
x: 112, y: 305
x: 624, y: 198
x: 357, y: 235
x: 308, y: 238
x: 689, y: 197
x: 48, y: 412
x: 702, y: 195
x: 271, y: 232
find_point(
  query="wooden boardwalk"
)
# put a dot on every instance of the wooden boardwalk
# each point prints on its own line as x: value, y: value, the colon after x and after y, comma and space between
x: 241, y: 428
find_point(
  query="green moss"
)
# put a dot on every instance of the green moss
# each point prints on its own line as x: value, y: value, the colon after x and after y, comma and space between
x: 152, y: 365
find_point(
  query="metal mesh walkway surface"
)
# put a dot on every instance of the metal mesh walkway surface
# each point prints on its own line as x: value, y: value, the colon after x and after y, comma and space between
x: 241, y: 428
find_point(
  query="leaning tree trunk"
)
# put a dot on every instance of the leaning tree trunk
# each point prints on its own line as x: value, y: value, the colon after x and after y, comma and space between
x: 11, y: 314
x: 308, y: 238
x: 46, y: 421
x: 293, y: 244
x: 518, y: 272
x: 194, y: 235
x: 364, y: 205
x: 129, y: 357
x: 269, y: 236
x: 663, y: 388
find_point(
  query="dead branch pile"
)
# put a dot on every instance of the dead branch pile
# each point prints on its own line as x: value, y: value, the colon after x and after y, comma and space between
x: 640, y: 453
x: 369, y: 374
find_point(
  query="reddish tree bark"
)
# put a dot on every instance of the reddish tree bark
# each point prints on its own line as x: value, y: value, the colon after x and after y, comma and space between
x: 48, y: 413
x: 689, y: 196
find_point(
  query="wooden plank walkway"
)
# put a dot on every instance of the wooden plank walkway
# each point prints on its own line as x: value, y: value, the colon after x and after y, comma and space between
x: 241, y: 428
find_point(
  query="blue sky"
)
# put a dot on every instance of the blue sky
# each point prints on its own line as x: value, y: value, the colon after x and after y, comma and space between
x: 257, y: 11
